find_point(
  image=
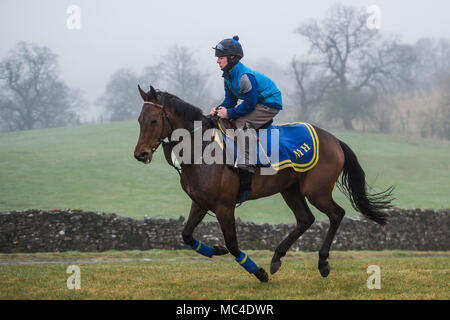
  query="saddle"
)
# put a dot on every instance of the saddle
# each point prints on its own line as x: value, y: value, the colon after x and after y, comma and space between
x: 231, y: 124
x: 292, y: 145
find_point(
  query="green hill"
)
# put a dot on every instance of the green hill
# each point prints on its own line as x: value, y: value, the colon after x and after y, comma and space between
x: 91, y: 167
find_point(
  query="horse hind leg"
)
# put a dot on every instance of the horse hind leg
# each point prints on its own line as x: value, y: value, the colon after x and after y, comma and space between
x: 335, y: 213
x: 304, y: 217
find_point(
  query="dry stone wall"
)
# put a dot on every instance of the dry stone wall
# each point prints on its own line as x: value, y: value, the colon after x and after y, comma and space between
x: 64, y: 230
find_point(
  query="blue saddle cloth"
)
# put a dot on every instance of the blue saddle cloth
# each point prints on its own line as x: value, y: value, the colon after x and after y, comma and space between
x: 288, y: 145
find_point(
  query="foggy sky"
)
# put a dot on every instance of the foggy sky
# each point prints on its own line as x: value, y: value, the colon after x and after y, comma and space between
x: 118, y: 33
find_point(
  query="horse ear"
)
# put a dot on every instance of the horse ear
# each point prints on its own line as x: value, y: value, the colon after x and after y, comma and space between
x: 143, y: 94
x: 153, y: 94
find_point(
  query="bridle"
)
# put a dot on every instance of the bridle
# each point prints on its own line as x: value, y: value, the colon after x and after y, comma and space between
x: 165, y: 118
x: 168, y: 145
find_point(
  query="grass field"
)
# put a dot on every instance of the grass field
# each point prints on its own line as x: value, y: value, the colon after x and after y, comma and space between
x: 183, y: 274
x: 91, y: 167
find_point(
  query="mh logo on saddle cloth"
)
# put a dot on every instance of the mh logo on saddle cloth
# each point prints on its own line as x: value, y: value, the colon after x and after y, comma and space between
x: 297, y: 144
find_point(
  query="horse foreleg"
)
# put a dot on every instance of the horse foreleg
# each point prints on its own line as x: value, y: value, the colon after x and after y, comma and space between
x: 196, y: 215
x: 225, y: 216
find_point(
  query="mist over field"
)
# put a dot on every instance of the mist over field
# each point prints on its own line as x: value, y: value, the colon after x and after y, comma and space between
x: 351, y: 67
x: 82, y: 217
x: 97, y: 42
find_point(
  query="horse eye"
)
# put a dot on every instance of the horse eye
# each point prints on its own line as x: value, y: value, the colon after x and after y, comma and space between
x: 153, y: 121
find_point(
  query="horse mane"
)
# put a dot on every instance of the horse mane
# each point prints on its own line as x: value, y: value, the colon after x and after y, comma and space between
x: 183, y: 109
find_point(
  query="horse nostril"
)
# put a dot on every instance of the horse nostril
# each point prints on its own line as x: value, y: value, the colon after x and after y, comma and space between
x: 143, y: 156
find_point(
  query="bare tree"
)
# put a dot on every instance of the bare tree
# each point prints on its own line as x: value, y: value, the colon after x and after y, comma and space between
x: 443, y: 112
x: 358, y: 61
x: 32, y: 95
x: 313, y: 82
x: 176, y: 72
x: 120, y: 100
x: 184, y: 78
x: 433, y: 63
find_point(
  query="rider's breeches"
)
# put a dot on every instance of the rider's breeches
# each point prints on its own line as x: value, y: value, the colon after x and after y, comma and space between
x: 254, y: 120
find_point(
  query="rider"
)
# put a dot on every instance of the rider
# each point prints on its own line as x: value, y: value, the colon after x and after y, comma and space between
x: 261, y: 98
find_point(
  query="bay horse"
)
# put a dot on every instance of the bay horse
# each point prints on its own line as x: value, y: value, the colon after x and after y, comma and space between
x: 214, y: 187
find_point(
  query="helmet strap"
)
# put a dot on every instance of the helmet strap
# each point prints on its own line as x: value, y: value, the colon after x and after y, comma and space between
x: 231, y: 63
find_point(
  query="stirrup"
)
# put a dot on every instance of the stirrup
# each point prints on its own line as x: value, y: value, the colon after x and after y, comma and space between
x: 245, y: 182
x: 246, y: 167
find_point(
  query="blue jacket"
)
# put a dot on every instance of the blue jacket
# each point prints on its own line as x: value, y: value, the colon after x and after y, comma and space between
x: 262, y: 90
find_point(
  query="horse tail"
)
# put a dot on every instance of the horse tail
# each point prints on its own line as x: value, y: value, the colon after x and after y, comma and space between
x: 353, y: 185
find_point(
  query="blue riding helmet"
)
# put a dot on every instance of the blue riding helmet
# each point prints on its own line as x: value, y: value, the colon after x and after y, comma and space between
x: 230, y: 48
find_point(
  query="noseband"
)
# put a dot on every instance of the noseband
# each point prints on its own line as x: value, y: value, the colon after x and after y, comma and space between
x: 167, y: 146
x: 164, y: 119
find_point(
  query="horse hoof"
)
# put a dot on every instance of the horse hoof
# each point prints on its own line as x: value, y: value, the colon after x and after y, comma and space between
x: 220, y: 251
x: 324, y: 269
x: 262, y: 275
x: 275, y: 266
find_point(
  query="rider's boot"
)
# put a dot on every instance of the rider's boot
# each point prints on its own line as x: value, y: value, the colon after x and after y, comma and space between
x: 243, y: 160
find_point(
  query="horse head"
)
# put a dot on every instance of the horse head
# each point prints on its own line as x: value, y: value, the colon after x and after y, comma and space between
x: 152, y: 126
